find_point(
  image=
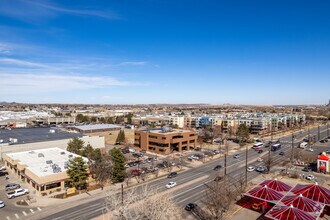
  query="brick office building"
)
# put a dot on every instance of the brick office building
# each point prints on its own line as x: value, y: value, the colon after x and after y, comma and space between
x: 165, y: 140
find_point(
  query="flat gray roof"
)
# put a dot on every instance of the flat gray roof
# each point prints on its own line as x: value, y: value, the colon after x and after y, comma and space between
x: 30, y: 135
x: 96, y: 127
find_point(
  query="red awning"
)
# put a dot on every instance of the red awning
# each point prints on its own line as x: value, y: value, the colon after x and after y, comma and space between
x: 323, y: 157
x: 314, y: 192
x: 264, y: 193
x: 276, y: 185
x: 289, y: 213
x: 322, y: 168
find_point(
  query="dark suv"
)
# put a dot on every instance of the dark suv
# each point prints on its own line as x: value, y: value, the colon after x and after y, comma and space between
x: 217, y: 167
x: 12, y: 186
x: 171, y: 175
x: 3, y: 173
x: 190, y: 206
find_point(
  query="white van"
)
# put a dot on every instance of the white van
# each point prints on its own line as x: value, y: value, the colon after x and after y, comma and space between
x: 257, y: 145
x: 303, y: 145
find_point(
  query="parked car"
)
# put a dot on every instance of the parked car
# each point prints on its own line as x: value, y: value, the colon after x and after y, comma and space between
x: 256, y: 206
x: 136, y: 172
x: 217, y: 167
x: 17, y: 192
x: 281, y: 153
x: 2, y: 168
x: 310, y: 177
x: 236, y: 156
x: 323, y: 141
x: 216, y: 151
x: 12, y: 186
x: 251, y: 168
x: 2, y: 204
x: 172, y: 175
x: 3, y: 173
x: 190, y: 206
x: 260, y: 151
x: 259, y: 159
x: 310, y: 149
x: 170, y: 185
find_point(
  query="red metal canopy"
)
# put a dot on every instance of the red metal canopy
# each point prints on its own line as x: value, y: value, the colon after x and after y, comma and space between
x: 302, y: 203
x: 314, y: 192
x: 265, y: 193
x: 289, y: 213
x: 276, y: 185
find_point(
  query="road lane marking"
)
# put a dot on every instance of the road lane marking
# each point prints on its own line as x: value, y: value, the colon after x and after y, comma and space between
x: 31, y: 210
x: 24, y: 213
x: 8, y: 218
x: 39, y: 208
x: 16, y: 215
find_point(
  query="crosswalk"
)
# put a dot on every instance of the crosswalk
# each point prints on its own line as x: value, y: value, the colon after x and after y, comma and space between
x: 23, y: 214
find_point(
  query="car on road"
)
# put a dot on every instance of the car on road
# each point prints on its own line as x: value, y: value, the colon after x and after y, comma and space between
x: 324, y: 141
x: 172, y: 175
x: 259, y: 159
x: 218, y: 178
x: 260, y: 151
x: 2, y: 204
x: 327, y: 151
x: 12, y: 186
x: 306, y: 169
x: 170, y: 185
x: 216, y: 151
x: 217, y: 167
x: 2, y: 168
x: 281, y: 153
x: 251, y: 168
x: 17, y: 192
x: 236, y: 156
x: 310, y: 149
x: 261, y: 169
x: 190, y: 206
x: 310, y: 177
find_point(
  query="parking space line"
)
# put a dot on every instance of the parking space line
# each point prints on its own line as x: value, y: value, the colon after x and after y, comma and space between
x: 24, y: 213
x: 16, y: 215
x: 39, y: 208
x: 8, y: 218
x: 31, y: 210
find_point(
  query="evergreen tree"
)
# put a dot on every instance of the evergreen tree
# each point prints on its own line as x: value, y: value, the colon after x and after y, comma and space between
x: 242, y: 132
x: 118, y: 165
x: 121, y: 137
x: 75, y: 145
x: 77, y: 172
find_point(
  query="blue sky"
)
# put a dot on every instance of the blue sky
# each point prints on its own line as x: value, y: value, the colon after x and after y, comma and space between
x: 165, y: 51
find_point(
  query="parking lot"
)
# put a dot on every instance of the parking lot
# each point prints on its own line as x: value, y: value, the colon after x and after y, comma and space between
x: 12, y: 210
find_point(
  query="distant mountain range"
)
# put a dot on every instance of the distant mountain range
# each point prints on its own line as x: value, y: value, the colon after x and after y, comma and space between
x: 7, y: 103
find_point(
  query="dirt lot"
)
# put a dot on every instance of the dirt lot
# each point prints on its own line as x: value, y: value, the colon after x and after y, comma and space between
x: 110, y: 136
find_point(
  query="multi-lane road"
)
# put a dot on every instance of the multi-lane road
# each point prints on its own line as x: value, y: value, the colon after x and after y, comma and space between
x: 190, y: 183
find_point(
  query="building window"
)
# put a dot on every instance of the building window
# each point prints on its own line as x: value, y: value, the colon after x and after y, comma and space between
x: 191, y: 135
x: 152, y: 136
x: 53, y: 185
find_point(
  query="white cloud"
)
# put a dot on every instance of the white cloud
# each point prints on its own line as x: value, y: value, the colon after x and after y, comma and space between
x: 133, y: 63
x: 4, y: 49
x: 32, y: 83
x: 22, y: 63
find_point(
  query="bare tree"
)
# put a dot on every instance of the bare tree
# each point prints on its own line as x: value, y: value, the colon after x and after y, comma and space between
x: 220, y: 195
x: 143, y: 203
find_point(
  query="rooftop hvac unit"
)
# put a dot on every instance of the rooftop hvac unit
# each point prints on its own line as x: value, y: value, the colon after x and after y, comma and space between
x: 31, y: 152
x: 70, y: 155
x: 62, y: 153
x: 49, y: 162
x: 41, y: 155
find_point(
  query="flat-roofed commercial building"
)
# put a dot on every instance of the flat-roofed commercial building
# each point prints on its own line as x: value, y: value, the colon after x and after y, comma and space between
x: 95, y: 128
x: 44, y: 170
x: 165, y: 140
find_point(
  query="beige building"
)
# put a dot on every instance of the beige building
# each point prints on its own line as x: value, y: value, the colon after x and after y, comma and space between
x: 44, y: 170
x: 165, y: 140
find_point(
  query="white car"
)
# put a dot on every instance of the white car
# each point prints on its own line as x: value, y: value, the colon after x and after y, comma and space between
x: 310, y: 177
x: 2, y: 168
x: 310, y: 149
x: 2, y: 204
x: 170, y: 185
x: 17, y: 192
x: 236, y: 156
x: 251, y: 168
x: 259, y: 159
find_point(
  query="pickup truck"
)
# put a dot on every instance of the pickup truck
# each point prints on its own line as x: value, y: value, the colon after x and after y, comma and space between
x: 17, y: 192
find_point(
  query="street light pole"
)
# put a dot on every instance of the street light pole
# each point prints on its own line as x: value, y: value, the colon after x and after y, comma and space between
x: 246, y: 164
x: 225, y: 164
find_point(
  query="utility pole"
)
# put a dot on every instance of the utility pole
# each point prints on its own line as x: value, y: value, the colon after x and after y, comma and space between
x: 225, y: 164
x: 246, y: 164
x: 292, y: 143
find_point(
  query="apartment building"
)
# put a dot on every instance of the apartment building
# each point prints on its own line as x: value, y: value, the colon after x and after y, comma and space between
x: 165, y: 140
